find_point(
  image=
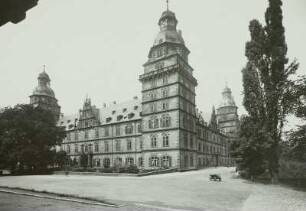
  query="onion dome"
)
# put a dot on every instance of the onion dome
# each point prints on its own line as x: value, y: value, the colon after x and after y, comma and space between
x: 44, y: 75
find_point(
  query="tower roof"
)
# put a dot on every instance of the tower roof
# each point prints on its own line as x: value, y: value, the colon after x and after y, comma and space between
x: 227, y: 98
x: 168, y: 33
x: 43, y: 87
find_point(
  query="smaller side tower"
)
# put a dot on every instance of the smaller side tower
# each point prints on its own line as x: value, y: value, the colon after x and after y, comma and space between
x: 43, y: 96
x: 227, y: 116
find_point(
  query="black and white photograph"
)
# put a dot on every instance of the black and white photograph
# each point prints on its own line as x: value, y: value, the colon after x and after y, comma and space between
x: 153, y: 105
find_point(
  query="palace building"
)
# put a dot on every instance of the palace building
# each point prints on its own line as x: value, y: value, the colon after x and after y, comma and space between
x: 163, y: 129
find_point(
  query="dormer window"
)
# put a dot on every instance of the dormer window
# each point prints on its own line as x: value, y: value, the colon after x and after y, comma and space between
x: 119, y: 117
x: 124, y: 110
x: 113, y: 112
x: 131, y: 115
x: 135, y: 107
x: 108, y: 119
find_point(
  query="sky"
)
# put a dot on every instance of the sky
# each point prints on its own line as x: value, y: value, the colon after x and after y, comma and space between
x: 97, y: 47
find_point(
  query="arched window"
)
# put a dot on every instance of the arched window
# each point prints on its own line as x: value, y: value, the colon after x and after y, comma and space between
x: 153, y: 141
x: 153, y: 161
x: 165, y: 140
x: 165, y: 120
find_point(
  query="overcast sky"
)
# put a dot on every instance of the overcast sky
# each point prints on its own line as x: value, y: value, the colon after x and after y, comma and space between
x: 98, y: 47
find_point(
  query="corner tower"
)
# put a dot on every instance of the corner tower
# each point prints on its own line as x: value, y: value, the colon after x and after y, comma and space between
x: 168, y: 106
x: 227, y: 115
x: 43, y: 96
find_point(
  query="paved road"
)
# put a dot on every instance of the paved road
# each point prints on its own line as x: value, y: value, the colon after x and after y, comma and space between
x: 13, y: 202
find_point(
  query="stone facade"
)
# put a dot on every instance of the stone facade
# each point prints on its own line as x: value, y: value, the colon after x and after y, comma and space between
x: 162, y: 130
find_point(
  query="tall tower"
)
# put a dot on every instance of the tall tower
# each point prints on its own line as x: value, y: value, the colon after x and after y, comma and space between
x: 43, y: 96
x: 168, y: 106
x: 227, y: 116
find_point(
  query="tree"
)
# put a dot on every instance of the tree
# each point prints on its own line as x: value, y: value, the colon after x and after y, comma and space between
x: 28, y: 136
x: 268, y: 89
x: 61, y: 158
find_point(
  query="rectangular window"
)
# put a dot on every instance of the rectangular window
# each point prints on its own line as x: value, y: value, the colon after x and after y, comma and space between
x: 86, y: 134
x: 140, y: 161
x: 96, y: 147
x: 118, y: 130
x: 118, y: 145
x: 97, y: 132
x: 141, y: 144
x: 68, y: 137
x: 76, y: 148
x: 129, y: 129
x: 129, y: 145
x: 129, y: 161
x: 106, y: 131
x: 76, y: 136
x: 106, y: 146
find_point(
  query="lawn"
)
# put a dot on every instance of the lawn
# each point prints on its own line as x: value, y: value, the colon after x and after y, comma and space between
x: 188, y: 190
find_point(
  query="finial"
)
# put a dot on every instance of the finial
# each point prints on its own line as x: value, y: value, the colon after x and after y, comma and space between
x: 167, y: 5
x: 44, y: 67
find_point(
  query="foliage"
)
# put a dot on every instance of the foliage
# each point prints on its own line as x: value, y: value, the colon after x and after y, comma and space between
x: 61, y: 158
x: 28, y: 136
x: 269, y: 92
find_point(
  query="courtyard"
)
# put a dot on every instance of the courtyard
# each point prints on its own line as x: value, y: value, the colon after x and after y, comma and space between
x: 176, y: 191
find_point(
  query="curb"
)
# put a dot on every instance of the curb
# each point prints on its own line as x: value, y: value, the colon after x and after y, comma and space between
x: 82, y: 201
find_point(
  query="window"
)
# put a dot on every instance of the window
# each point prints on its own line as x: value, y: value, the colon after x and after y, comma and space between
x: 153, y: 161
x: 141, y: 144
x: 118, y: 161
x: 191, y: 141
x: 68, y: 136
x: 185, y: 139
x: 108, y: 119
x: 86, y: 148
x: 113, y: 112
x: 97, y: 132
x: 86, y: 134
x: 124, y: 110
x: 68, y: 149
x: 106, y: 131
x: 131, y: 115
x: 139, y: 128
x: 153, y: 122
x: 154, y: 95
x: 199, y: 147
x: 76, y: 148
x: 118, y: 130
x: 118, y: 145
x: 159, y: 52
x: 165, y: 140
x: 165, y: 92
x: 129, y: 161
x: 129, y: 129
x: 97, y: 162
x: 106, y: 162
x: 119, y: 117
x: 129, y: 145
x: 76, y: 136
x: 191, y: 160
x: 106, y: 146
x: 82, y: 148
x: 135, y: 107
x: 186, y: 160
x: 153, y: 141
x: 152, y: 107
x: 165, y: 79
x: 164, y: 105
x: 140, y: 161
x: 153, y: 83
x: 96, y: 147
x: 165, y: 120
x: 166, y: 162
